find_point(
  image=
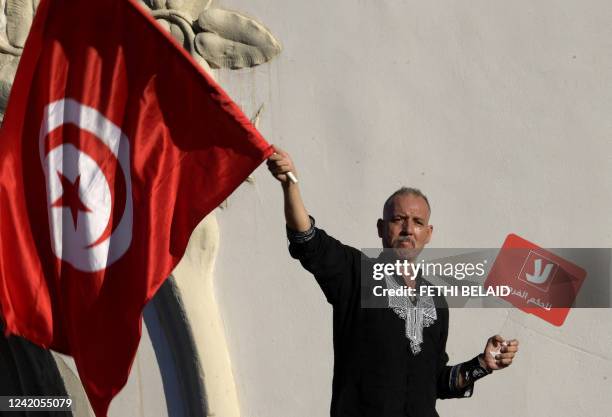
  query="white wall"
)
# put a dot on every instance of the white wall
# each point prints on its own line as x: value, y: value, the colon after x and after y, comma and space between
x: 500, y: 111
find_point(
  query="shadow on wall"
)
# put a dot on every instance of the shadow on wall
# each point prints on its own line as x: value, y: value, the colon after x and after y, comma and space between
x: 26, y: 369
x: 176, y: 354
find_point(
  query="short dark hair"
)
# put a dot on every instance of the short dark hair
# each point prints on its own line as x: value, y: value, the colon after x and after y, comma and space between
x: 405, y: 191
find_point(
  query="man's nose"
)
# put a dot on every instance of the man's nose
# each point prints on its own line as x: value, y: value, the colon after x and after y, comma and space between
x: 407, y: 226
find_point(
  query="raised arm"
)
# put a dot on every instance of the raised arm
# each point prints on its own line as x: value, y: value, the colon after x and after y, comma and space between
x: 334, y: 265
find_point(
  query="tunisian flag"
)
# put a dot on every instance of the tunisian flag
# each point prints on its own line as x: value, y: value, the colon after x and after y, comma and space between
x: 114, y: 146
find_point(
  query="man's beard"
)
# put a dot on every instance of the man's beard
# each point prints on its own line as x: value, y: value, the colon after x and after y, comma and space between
x: 406, y: 253
x: 409, y: 254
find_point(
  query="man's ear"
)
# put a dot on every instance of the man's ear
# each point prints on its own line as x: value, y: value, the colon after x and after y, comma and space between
x: 430, y: 227
x: 380, y: 225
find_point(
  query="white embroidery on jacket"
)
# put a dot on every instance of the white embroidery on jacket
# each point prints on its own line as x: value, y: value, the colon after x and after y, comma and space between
x: 416, y: 317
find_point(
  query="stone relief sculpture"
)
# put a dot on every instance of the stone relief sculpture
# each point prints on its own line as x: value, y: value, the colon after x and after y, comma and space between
x: 217, y: 39
x: 221, y: 38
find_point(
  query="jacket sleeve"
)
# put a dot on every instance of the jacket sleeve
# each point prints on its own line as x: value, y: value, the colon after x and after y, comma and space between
x: 447, y: 376
x: 334, y: 265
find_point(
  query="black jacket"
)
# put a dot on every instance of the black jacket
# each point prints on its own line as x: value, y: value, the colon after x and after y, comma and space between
x: 376, y: 373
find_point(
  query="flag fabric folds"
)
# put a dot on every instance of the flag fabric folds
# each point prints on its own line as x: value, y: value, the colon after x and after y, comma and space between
x: 114, y: 146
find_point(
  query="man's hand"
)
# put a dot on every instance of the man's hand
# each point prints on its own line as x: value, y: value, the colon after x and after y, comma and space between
x: 296, y: 216
x: 499, y: 353
x: 280, y: 164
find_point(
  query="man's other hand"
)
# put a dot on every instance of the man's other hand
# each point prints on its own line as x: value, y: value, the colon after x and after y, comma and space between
x: 499, y: 353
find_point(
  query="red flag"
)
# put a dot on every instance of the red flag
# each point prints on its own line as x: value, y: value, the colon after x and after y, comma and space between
x: 113, y: 147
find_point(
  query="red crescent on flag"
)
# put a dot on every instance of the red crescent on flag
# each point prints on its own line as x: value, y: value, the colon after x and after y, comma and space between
x: 91, y: 145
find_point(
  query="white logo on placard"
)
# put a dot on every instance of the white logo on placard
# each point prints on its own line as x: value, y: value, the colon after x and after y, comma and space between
x: 538, y: 271
x: 89, y: 188
x: 539, y: 276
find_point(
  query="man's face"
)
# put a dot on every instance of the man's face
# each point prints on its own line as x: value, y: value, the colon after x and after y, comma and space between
x: 405, y: 225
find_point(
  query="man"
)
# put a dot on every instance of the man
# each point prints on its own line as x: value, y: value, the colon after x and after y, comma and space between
x: 388, y: 362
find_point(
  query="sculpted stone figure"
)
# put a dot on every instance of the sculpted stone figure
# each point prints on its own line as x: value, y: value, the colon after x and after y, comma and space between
x: 214, y: 37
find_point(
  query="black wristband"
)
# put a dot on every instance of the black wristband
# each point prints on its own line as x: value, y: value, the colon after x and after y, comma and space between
x: 472, y: 371
x: 302, y: 237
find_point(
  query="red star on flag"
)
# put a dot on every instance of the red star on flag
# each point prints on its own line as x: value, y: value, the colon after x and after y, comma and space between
x: 70, y: 198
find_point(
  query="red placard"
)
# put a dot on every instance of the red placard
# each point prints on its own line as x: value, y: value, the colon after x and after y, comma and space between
x: 542, y: 283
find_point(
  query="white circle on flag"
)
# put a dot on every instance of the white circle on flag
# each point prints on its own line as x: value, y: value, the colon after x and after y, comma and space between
x: 93, y: 191
x: 79, y: 197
